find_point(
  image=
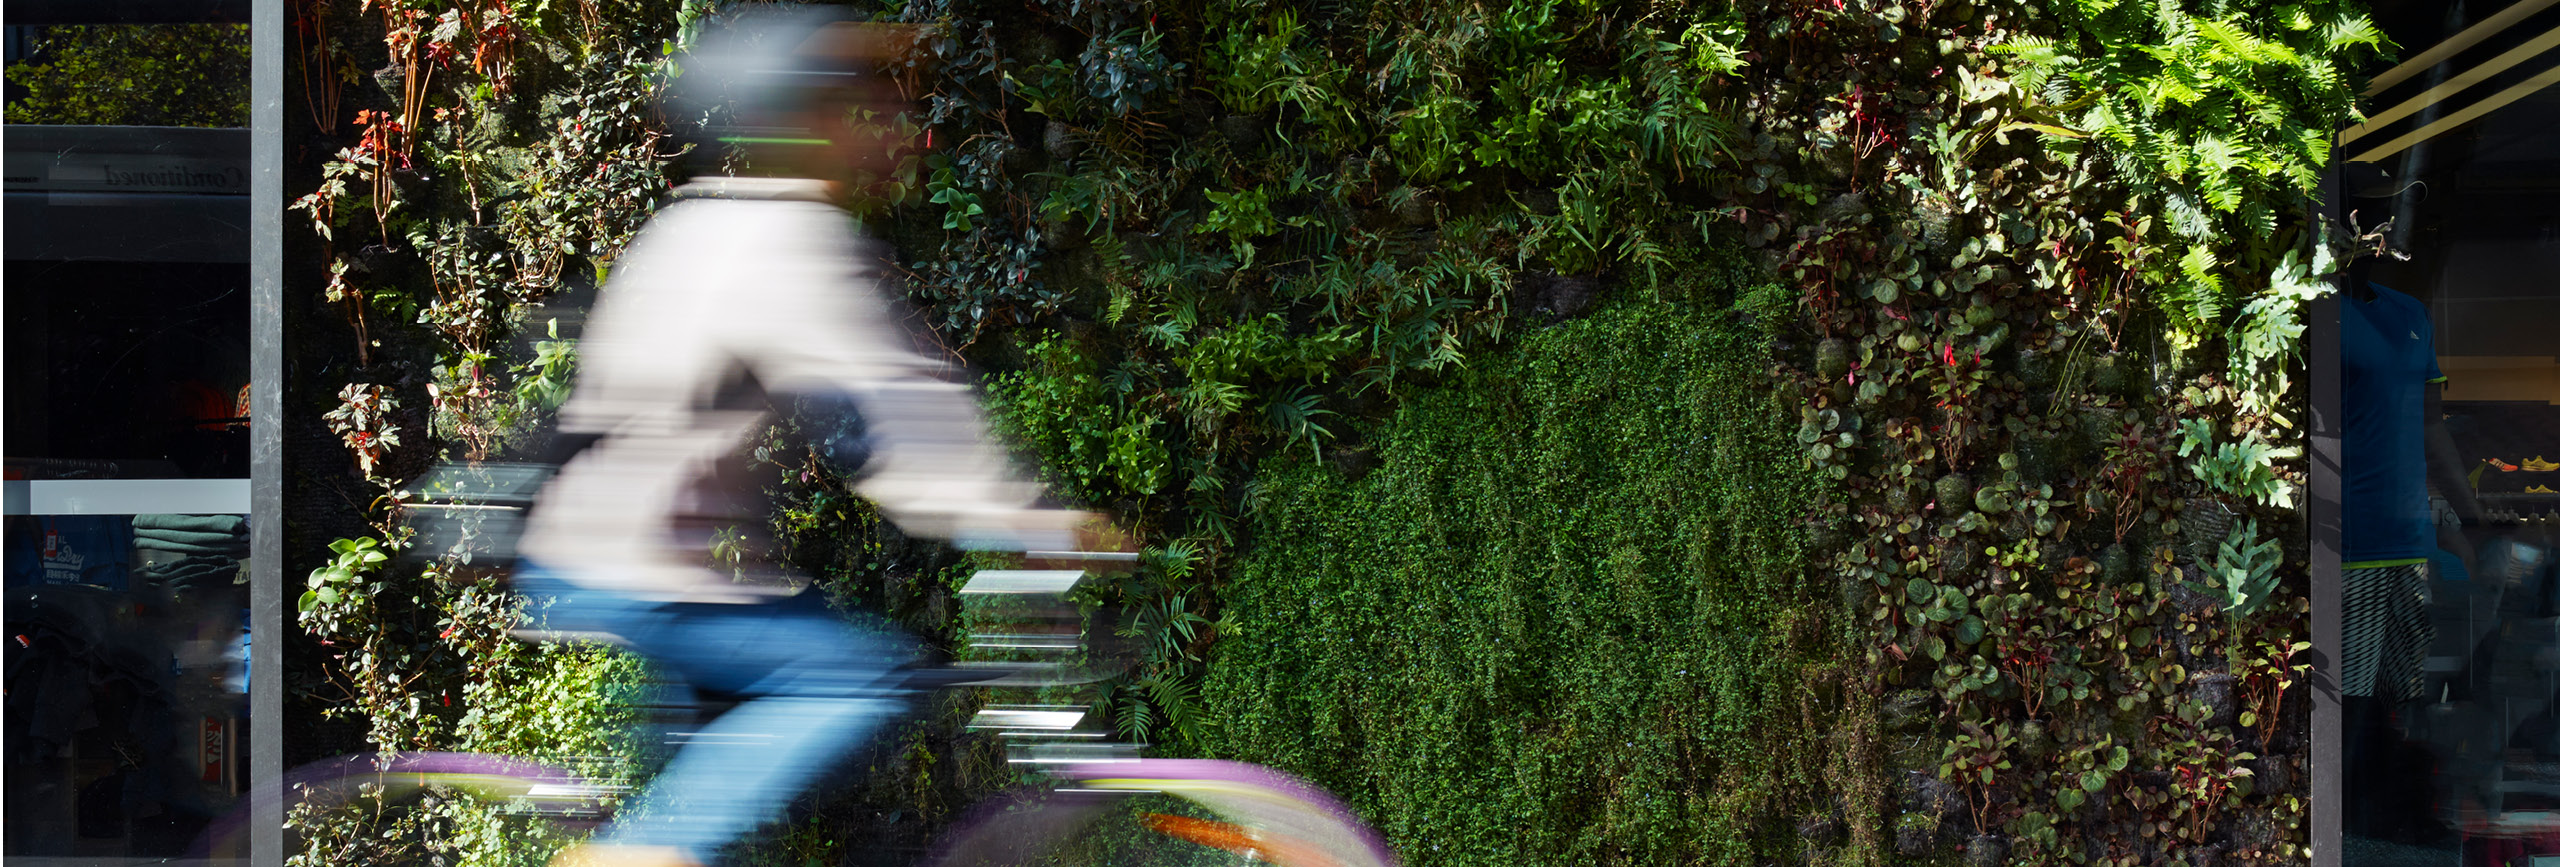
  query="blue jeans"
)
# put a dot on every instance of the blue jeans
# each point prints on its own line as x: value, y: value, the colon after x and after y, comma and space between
x: 814, y: 685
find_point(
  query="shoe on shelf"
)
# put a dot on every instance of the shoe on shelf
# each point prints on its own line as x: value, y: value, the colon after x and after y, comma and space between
x: 2536, y: 464
x: 599, y: 855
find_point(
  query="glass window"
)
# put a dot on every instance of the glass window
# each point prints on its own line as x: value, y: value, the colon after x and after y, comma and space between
x: 127, y: 167
x: 124, y: 552
x: 127, y: 681
x: 2449, y: 663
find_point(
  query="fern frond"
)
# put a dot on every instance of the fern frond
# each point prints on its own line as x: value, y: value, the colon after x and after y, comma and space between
x: 2204, y: 301
x: 2351, y: 30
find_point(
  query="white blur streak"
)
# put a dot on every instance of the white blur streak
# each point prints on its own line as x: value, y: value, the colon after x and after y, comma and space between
x: 1021, y: 581
x: 1026, y: 718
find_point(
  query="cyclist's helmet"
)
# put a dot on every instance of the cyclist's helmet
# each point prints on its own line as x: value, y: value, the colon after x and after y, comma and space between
x: 746, y: 87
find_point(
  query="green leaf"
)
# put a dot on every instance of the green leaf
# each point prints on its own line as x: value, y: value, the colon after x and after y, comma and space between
x: 2046, y: 128
x: 1969, y: 631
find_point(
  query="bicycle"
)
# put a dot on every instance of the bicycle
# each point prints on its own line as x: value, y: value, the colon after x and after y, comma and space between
x: 1094, y: 787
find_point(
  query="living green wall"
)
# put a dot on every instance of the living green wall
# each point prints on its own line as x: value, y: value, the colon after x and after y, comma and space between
x: 1835, y: 432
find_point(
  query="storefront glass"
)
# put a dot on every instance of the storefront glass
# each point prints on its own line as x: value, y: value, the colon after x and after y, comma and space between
x: 2449, y: 340
x: 127, y: 453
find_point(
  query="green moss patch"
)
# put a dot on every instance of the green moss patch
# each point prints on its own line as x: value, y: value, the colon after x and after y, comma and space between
x: 1552, y: 624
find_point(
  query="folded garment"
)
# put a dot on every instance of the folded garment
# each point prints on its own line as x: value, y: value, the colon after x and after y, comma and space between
x: 191, y: 577
x: 228, y: 524
x: 191, y: 537
x: 239, y: 548
x: 190, y: 563
x: 196, y: 564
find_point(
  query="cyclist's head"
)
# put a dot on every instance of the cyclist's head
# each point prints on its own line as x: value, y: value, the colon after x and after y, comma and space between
x: 800, y: 92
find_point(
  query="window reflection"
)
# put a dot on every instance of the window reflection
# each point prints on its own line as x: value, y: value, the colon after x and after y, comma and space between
x: 2450, y: 341
x: 127, y: 375
x: 126, y: 680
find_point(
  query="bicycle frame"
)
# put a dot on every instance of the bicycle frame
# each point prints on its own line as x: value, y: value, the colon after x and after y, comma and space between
x: 1264, y: 814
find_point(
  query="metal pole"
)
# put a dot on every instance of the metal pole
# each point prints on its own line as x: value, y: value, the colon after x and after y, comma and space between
x: 2323, y: 516
x: 266, y: 447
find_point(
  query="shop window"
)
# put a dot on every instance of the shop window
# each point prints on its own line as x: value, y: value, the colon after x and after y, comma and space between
x: 127, y: 681
x: 2448, y: 664
x: 125, y: 553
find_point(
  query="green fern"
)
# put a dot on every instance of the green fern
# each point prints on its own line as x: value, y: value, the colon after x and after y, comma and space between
x: 2242, y: 577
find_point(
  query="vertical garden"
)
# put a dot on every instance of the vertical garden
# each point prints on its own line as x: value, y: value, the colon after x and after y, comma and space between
x: 1830, y: 432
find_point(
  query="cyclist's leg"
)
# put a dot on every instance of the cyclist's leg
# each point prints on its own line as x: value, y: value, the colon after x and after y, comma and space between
x: 818, y: 687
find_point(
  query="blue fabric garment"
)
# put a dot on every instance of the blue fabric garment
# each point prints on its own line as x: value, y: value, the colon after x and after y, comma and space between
x: 71, y: 549
x: 2390, y: 353
x: 815, y: 687
x: 2448, y: 566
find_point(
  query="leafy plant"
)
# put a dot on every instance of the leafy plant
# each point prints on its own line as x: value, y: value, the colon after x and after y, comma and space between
x: 544, y: 382
x: 362, y: 421
x: 2246, y: 468
x: 339, y: 583
x: 2243, y: 578
x: 134, y: 75
x: 1974, y: 759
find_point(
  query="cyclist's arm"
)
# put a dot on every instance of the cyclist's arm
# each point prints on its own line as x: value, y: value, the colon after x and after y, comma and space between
x: 823, y: 327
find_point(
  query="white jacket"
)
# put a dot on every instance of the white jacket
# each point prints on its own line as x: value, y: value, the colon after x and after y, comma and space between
x: 743, y: 289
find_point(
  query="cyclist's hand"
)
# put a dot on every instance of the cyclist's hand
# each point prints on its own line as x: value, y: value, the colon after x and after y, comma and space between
x: 1093, y: 534
x: 1098, y: 535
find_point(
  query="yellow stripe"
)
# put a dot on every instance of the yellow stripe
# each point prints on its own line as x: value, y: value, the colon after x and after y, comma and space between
x: 2470, y: 36
x: 2457, y: 84
x: 2548, y: 78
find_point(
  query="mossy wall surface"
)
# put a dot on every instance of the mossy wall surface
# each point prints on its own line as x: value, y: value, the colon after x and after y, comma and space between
x: 1565, y: 618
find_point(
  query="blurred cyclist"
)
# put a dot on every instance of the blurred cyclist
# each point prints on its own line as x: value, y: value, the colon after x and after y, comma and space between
x: 744, y: 291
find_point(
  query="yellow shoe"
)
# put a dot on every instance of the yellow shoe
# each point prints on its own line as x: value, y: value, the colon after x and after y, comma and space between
x: 597, y: 855
x: 2536, y: 464
x: 2541, y: 489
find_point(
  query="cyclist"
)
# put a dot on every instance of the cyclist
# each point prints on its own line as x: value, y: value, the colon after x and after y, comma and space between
x: 748, y: 289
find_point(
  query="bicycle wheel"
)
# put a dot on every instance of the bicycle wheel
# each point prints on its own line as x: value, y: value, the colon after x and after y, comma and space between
x: 542, y: 789
x: 1165, y: 813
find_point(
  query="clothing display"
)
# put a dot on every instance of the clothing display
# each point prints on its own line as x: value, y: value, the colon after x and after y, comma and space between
x: 2384, y: 651
x: 2388, y: 345
x: 70, y: 549
x: 184, y: 552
